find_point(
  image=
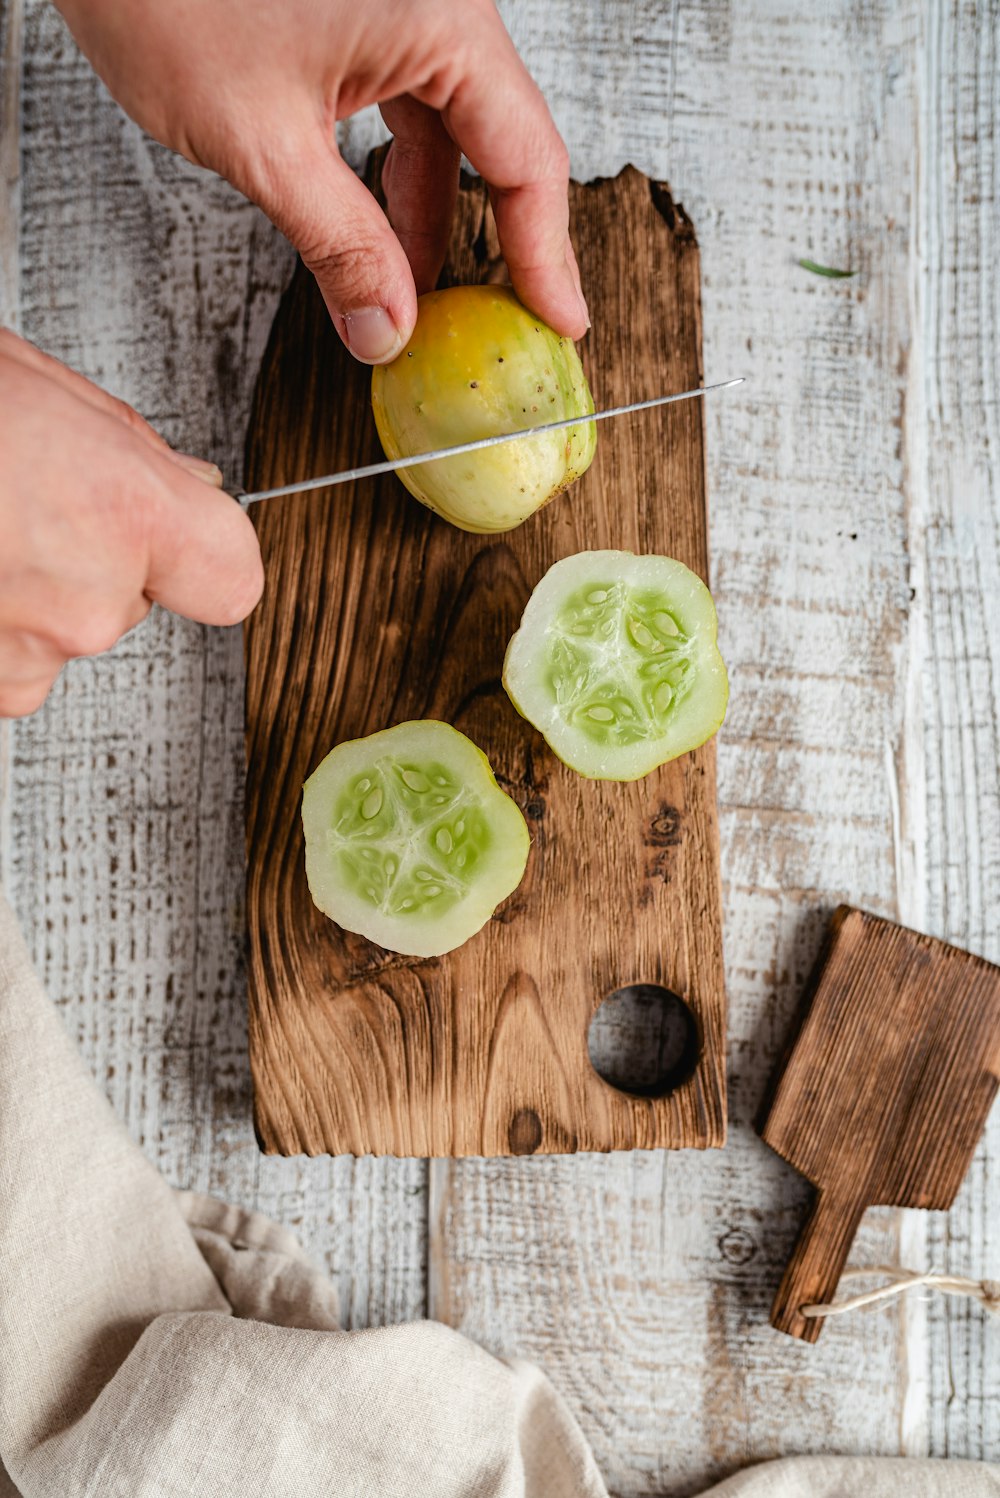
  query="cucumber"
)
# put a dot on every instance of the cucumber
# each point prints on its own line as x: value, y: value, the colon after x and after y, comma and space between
x: 409, y: 839
x: 615, y: 662
x: 479, y: 364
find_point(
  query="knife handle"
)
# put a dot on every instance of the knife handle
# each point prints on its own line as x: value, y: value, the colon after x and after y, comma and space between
x: 813, y: 1272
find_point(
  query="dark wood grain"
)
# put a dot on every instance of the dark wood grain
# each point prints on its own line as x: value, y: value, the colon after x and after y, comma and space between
x: 885, y: 1093
x: 374, y: 612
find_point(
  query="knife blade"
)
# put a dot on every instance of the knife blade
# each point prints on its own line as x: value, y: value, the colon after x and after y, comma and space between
x: 393, y: 465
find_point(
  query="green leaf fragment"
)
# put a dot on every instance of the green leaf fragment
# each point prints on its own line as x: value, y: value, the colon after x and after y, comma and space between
x: 827, y: 270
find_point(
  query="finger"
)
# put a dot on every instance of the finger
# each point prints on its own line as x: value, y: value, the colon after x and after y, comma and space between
x: 28, y: 667
x: 22, y: 700
x: 498, y: 117
x: 70, y: 618
x: 347, y: 242
x: 201, y: 468
x: 204, y: 560
x: 81, y: 387
x: 574, y: 267
x: 26, y: 656
x: 76, y: 629
x: 420, y: 179
x: 100, y: 400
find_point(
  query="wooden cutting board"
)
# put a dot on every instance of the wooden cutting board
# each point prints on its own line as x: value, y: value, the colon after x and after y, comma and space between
x: 375, y: 612
x: 885, y: 1093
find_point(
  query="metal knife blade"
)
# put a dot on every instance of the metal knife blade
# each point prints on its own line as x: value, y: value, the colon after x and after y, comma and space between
x: 393, y: 465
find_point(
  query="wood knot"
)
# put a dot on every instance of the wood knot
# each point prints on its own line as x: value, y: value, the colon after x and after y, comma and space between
x: 524, y: 1134
x: 665, y: 827
x: 737, y: 1247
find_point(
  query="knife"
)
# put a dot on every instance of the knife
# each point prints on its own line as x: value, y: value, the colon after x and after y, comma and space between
x: 393, y: 465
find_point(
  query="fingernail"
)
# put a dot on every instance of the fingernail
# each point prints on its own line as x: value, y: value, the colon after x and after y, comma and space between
x: 371, y: 335
x: 573, y: 271
x: 200, y: 469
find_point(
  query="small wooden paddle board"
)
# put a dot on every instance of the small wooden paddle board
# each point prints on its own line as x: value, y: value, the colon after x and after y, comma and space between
x: 885, y: 1092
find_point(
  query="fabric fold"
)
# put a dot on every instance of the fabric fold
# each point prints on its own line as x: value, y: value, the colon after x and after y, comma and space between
x: 159, y: 1342
x: 92, y: 1244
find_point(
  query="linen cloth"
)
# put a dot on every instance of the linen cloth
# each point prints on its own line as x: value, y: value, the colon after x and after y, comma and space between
x: 157, y: 1343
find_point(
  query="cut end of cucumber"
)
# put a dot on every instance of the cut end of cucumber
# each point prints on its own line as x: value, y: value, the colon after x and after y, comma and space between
x: 616, y: 663
x: 409, y: 839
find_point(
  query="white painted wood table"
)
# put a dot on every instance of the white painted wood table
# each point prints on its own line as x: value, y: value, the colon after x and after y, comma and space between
x: 855, y: 493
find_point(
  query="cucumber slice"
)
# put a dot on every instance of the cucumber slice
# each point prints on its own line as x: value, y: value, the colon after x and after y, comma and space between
x: 479, y: 364
x: 409, y: 839
x: 616, y: 664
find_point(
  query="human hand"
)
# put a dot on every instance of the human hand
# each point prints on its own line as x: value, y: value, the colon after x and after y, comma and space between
x: 99, y: 518
x: 253, y: 90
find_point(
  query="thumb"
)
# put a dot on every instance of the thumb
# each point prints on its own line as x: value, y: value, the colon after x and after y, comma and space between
x: 204, y: 559
x: 347, y: 242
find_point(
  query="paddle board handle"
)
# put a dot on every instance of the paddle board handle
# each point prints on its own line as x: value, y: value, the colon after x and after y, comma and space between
x: 818, y: 1260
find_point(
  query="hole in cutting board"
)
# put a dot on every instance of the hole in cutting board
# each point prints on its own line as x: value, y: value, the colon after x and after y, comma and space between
x: 644, y: 1040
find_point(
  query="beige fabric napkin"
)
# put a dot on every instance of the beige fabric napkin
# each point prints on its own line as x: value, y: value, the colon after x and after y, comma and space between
x: 155, y: 1342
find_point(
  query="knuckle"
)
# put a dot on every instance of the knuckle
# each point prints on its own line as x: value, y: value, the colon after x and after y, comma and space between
x: 127, y: 414
x: 352, y: 267
x: 20, y: 700
x: 94, y: 634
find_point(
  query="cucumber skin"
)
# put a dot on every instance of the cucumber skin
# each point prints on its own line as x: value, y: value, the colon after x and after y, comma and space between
x: 479, y: 364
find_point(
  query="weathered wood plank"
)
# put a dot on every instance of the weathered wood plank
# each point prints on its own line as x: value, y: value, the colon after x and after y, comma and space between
x: 11, y: 53
x: 11, y: 57
x: 951, y: 725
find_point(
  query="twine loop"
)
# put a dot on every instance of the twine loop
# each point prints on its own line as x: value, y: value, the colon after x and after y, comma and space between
x: 986, y: 1292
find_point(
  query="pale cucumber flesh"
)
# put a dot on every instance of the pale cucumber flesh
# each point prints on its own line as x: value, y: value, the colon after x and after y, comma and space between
x: 409, y: 839
x: 408, y: 836
x: 616, y: 663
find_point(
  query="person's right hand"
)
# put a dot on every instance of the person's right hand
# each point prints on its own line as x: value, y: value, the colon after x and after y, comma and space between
x: 98, y: 519
x: 254, y: 89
